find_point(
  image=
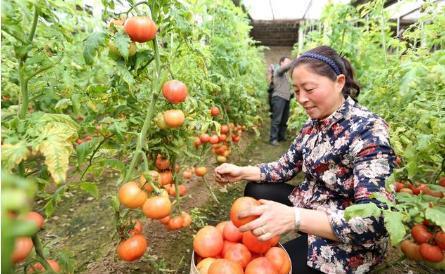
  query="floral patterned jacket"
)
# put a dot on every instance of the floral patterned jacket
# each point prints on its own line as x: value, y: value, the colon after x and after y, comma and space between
x: 345, y: 158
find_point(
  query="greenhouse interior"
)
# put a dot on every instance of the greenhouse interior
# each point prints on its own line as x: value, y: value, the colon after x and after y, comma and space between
x: 223, y: 136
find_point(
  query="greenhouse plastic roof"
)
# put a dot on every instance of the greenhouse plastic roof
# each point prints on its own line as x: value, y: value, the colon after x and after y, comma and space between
x: 312, y: 9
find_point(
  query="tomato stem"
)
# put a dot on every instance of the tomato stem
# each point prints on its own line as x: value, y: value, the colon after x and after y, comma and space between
x: 210, y: 189
x: 149, y: 115
x: 39, y: 251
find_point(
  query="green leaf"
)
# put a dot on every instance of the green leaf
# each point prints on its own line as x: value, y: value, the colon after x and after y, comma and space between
x: 56, y: 132
x: 92, y: 44
x: 122, y: 42
x: 90, y: 188
x: 12, y: 155
x: 362, y: 210
x: 63, y: 104
x: 394, y: 225
x: 436, y: 215
x: 123, y: 72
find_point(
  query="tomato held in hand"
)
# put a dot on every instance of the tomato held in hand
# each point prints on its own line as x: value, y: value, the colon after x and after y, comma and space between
x: 239, y: 205
x: 140, y: 29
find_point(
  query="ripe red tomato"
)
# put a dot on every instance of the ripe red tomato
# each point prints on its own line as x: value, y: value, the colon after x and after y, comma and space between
x: 222, y: 137
x: 214, y: 111
x: 131, y: 195
x: 176, y: 222
x: 254, y: 244
x: 214, y: 139
x: 165, y: 220
x: 220, y: 226
x: 157, y: 207
x: 204, y: 138
x: 238, y: 253
x: 239, y: 205
x: 399, y: 186
x: 162, y: 163
x: 200, y: 171
x: 165, y: 178
x: 140, y: 29
x: 208, y: 242
x: 431, y: 253
x: 133, y: 248
x: 22, y: 248
x: 442, y: 181
x: 420, y: 234
x: 224, y: 129
x: 137, y: 229
x: 439, y: 238
x: 411, y: 250
x: 406, y: 190
x: 232, y: 233
x: 187, y: 174
x: 280, y: 260
x: 174, y: 91
x: 39, y: 267
x: 260, y: 265
x: 236, y: 138
x: 35, y: 217
x: 226, y: 246
x: 174, y: 118
x: 223, y: 266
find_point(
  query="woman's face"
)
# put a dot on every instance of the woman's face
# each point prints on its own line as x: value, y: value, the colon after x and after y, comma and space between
x: 318, y: 95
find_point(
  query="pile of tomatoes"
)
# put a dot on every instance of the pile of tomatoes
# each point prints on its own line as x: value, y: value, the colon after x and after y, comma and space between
x: 225, y: 249
x: 409, y: 188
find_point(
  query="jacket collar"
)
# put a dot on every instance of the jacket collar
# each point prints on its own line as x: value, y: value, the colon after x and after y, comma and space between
x: 339, y: 114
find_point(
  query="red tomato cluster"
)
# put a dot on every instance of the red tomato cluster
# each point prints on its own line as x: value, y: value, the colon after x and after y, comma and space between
x: 225, y: 249
x: 154, y: 204
x: 428, y: 244
x: 416, y: 190
x: 221, y: 143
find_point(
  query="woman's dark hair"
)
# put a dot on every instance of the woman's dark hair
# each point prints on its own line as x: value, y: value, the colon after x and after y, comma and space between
x: 282, y: 59
x: 351, y: 87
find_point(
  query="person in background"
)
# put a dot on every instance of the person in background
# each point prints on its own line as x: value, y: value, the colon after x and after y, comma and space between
x: 345, y: 155
x: 270, y: 71
x: 280, y: 101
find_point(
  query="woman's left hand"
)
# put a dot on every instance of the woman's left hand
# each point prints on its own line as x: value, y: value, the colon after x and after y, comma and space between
x: 274, y: 219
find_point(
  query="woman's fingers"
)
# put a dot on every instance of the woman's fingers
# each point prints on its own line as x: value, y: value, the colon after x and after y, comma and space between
x: 254, y: 225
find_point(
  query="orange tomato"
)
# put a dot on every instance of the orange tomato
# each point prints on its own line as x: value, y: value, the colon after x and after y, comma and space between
x: 131, y: 195
x: 208, y: 242
x: 239, y: 205
x: 133, y: 248
x: 157, y: 207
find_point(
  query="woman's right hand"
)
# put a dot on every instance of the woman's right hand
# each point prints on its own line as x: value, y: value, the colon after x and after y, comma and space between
x: 228, y: 173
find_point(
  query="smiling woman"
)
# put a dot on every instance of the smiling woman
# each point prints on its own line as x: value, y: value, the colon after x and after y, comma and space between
x: 345, y: 153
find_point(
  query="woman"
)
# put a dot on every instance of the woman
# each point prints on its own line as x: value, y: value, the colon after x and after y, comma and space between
x: 345, y: 154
